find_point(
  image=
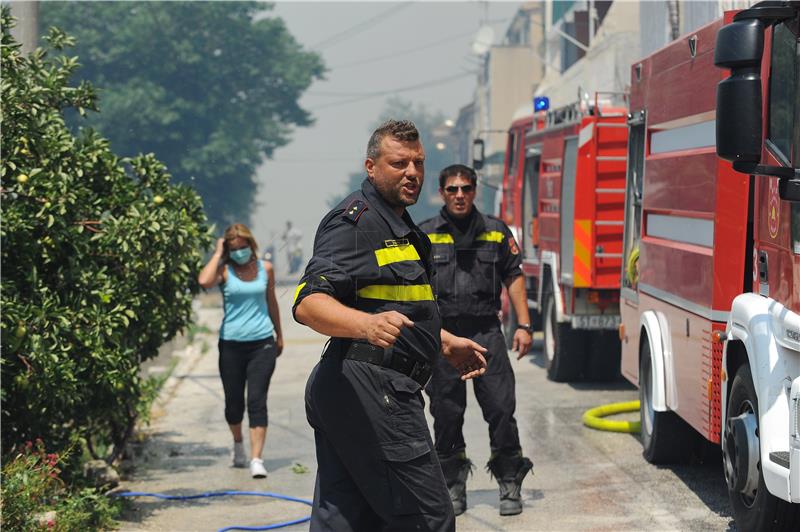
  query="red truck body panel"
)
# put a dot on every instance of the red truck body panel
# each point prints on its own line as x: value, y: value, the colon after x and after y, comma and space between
x: 693, y: 251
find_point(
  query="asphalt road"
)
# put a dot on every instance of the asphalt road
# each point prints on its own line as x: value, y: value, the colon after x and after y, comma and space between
x: 583, y: 479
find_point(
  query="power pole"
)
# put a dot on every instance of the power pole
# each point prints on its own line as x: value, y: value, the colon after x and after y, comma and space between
x: 26, y: 32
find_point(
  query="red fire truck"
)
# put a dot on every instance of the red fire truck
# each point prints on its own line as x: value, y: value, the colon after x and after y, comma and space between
x: 711, y: 280
x: 563, y: 196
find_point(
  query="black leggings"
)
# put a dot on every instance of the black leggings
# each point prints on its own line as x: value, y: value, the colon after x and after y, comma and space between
x: 251, y: 363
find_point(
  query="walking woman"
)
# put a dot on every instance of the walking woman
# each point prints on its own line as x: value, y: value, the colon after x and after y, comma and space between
x: 249, y: 339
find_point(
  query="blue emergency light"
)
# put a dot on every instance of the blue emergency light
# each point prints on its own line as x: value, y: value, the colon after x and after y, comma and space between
x: 541, y: 103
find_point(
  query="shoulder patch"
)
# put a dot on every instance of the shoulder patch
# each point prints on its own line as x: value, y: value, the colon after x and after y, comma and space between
x: 354, y: 210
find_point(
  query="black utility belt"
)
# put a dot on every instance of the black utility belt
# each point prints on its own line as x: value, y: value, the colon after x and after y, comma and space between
x: 388, y: 358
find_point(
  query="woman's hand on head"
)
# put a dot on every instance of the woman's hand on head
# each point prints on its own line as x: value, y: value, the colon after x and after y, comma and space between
x: 220, y: 247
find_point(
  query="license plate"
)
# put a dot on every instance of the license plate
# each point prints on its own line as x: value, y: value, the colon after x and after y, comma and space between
x: 596, y: 322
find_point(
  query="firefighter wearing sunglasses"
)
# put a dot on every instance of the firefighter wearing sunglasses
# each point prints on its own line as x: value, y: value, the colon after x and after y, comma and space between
x: 474, y: 255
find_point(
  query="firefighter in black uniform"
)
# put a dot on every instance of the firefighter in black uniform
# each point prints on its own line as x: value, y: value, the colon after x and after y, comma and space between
x: 368, y: 286
x: 473, y: 254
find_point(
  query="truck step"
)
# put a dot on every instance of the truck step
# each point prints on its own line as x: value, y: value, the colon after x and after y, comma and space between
x: 780, y: 457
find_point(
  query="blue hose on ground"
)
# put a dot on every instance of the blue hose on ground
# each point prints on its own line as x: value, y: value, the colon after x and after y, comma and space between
x: 228, y: 493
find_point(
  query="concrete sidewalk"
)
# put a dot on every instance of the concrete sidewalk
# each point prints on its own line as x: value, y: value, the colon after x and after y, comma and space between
x: 188, y: 444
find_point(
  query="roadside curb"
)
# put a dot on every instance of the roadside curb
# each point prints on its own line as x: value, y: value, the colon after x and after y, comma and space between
x: 186, y: 359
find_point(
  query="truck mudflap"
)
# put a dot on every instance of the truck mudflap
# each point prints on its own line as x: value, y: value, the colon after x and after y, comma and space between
x: 770, y: 335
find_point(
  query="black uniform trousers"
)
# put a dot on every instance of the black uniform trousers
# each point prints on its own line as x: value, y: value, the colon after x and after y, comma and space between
x: 376, y: 469
x: 494, y: 390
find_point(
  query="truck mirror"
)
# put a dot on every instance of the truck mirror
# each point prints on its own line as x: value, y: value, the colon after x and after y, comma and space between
x: 477, y: 154
x: 789, y: 189
x: 739, y: 47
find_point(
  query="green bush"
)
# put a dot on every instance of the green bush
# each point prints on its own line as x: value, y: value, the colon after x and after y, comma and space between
x: 35, y: 498
x: 99, y: 258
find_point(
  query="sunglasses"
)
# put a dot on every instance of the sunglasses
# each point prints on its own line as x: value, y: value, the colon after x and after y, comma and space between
x: 466, y: 189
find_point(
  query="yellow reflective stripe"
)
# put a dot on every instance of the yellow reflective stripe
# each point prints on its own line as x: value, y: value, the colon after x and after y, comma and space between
x: 440, y: 238
x: 390, y: 292
x: 491, y: 236
x: 297, y: 292
x: 396, y: 254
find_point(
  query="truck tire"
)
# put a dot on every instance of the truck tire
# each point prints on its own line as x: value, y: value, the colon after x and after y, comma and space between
x: 564, y: 347
x: 666, y: 438
x: 760, y: 510
x: 604, y: 356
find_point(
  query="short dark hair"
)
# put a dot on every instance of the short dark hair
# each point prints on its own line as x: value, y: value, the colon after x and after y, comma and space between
x: 457, y: 169
x: 404, y: 130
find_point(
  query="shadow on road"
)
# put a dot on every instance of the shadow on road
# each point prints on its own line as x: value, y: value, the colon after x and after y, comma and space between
x: 537, y: 358
x: 159, y: 455
x: 702, y: 473
x: 490, y: 497
x: 617, y: 385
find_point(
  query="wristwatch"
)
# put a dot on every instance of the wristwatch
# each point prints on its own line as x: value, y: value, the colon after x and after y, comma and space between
x: 525, y: 327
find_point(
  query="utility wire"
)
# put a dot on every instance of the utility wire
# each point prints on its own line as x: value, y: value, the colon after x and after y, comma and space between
x: 402, y: 52
x: 336, y: 38
x: 390, y: 91
x: 412, y: 50
x: 377, y: 94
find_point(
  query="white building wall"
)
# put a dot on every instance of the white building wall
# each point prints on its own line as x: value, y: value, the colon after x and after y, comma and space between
x: 654, y: 19
x: 606, y: 66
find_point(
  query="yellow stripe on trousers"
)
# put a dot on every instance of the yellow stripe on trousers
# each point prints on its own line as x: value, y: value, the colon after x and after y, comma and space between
x: 388, y: 292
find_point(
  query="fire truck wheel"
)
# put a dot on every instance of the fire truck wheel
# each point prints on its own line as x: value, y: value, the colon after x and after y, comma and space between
x: 564, y: 347
x: 666, y: 438
x: 604, y: 356
x: 754, y: 507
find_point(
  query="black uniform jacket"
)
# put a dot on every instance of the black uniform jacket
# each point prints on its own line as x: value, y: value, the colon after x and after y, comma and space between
x: 468, y: 282
x: 369, y: 258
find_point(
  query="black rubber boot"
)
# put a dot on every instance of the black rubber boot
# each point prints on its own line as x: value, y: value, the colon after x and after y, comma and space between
x: 456, y: 468
x: 509, y: 471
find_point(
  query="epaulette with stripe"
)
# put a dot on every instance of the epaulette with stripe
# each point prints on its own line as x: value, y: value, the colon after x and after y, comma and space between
x: 354, y: 210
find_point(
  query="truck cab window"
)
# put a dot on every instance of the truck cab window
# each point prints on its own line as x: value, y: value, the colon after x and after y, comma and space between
x: 784, y: 107
x: 783, y: 95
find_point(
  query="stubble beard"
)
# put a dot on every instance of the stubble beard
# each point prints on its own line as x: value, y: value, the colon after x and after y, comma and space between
x: 394, y: 196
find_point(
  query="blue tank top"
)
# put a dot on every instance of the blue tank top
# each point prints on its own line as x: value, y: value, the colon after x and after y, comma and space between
x: 246, y: 314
